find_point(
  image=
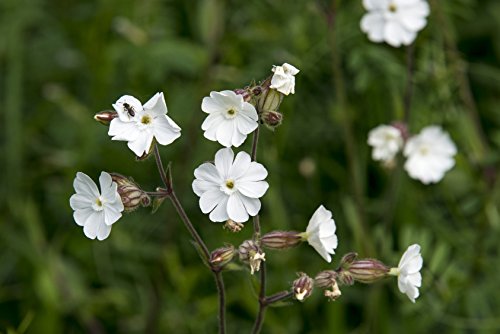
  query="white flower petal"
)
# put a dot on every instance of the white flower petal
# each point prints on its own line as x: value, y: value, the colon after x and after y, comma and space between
x: 236, y: 210
x: 210, y: 199
x: 103, y: 231
x: 375, y: 4
x: 255, y: 172
x: 164, y: 132
x: 253, y: 189
x: 200, y: 186
x: 82, y: 215
x: 373, y: 24
x: 223, y: 161
x: 124, y: 105
x: 111, y: 215
x: 252, y: 205
x: 224, y: 133
x: 249, y: 111
x: 123, y: 131
x: 211, y: 105
x: 141, y: 145
x: 246, y: 125
x: 83, y: 184
x: 212, y: 121
x: 208, y: 172
x: 321, y: 233
x: 94, y: 221
x: 80, y: 201
x: 240, y: 165
x: 219, y: 214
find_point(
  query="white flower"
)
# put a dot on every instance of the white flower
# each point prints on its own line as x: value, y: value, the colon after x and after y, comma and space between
x: 229, y: 120
x: 283, y: 79
x: 394, y: 21
x: 139, y: 125
x: 408, y: 272
x: 386, y: 141
x: 320, y: 233
x: 430, y: 155
x: 94, y: 211
x: 230, y: 188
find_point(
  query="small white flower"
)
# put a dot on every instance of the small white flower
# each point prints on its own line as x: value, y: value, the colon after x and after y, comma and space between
x: 139, y: 125
x: 430, y: 155
x: 408, y: 272
x: 386, y: 141
x: 230, y: 188
x: 320, y: 233
x: 394, y: 21
x: 230, y: 119
x: 95, y: 211
x: 283, y: 79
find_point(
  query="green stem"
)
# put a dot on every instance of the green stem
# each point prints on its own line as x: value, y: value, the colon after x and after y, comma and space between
x: 167, y: 180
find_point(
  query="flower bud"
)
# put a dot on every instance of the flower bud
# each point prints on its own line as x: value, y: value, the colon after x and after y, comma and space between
x: 280, y: 239
x: 303, y: 287
x: 222, y: 256
x: 325, y: 279
x: 105, y: 117
x: 272, y: 119
x: 270, y: 100
x: 131, y: 195
x: 251, y: 253
x: 233, y: 226
x: 247, y: 95
x: 348, y: 259
x: 368, y: 270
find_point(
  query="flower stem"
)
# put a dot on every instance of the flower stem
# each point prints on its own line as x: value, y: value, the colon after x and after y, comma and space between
x: 278, y: 297
x: 256, y: 228
x: 219, y: 281
x: 167, y: 180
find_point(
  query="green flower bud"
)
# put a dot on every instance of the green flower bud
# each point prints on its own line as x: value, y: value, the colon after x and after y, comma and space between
x: 222, y: 256
x: 105, y: 117
x: 280, y: 239
x: 303, y: 287
x: 131, y: 194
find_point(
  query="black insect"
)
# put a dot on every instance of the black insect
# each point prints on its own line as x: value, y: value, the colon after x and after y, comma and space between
x: 129, y: 109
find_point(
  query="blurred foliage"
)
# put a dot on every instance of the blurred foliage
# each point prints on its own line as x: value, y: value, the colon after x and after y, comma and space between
x: 61, y: 61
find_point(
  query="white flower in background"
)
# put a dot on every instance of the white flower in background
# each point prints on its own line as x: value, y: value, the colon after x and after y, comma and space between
x: 320, y: 233
x: 394, y: 21
x: 230, y: 188
x: 429, y: 155
x: 96, y: 211
x: 283, y: 79
x: 139, y: 125
x: 230, y: 119
x: 408, y: 272
x: 386, y: 141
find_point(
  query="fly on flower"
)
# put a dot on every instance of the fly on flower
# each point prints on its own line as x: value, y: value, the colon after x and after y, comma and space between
x: 139, y: 124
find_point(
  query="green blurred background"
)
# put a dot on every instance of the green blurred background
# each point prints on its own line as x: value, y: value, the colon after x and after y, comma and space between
x: 61, y: 61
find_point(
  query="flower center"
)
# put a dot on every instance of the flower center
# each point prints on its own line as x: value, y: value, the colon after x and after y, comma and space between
x: 231, y: 113
x: 392, y: 7
x: 98, y: 204
x: 424, y: 150
x: 146, y: 119
x: 228, y: 187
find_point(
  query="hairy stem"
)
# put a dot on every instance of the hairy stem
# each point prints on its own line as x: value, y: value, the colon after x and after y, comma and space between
x: 167, y: 180
x: 219, y: 281
x: 278, y: 297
